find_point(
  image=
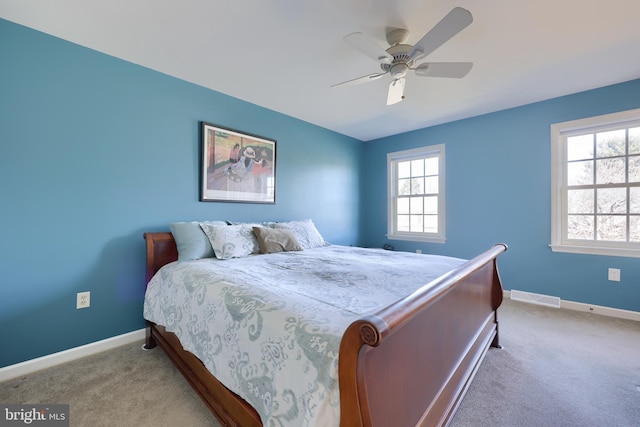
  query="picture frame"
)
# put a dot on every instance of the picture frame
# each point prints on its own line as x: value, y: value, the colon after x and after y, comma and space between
x: 236, y: 166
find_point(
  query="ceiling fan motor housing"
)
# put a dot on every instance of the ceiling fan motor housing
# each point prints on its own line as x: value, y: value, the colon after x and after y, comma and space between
x: 401, y: 62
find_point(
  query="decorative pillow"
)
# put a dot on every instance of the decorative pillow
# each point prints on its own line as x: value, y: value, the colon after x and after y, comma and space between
x: 305, y: 231
x: 231, y: 241
x: 191, y: 241
x: 272, y: 241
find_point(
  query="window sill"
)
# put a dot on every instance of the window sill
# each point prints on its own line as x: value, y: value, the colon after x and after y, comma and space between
x: 593, y: 250
x: 423, y: 239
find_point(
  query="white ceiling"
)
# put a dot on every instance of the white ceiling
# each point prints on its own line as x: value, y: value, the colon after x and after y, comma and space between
x: 285, y: 54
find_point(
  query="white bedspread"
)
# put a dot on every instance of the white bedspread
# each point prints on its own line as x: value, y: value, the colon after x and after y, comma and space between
x: 269, y: 326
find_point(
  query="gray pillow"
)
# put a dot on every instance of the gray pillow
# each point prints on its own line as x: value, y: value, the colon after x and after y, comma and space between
x: 272, y: 241
x: 191, y: 241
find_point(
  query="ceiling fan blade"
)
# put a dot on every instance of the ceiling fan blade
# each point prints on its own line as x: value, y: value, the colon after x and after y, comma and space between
x: 454, y: 70
x: 367, y: 46
x: 457, y: 20
x: 363, y: 79
x: 396, y: 91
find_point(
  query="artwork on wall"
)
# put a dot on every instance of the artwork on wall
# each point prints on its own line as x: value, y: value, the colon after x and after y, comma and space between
x: 236, y: 166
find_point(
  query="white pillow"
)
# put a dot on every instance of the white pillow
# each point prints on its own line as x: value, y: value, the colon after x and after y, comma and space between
x: 231, y: 241
x: 305, y: 231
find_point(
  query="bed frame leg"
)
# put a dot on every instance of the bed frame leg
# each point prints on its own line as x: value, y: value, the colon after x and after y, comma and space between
x: 496, y: 339
x: 497, y: 345
x: 149, y: 341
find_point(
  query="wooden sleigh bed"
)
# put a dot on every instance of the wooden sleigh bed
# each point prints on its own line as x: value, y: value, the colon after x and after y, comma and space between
x: 447, y: 326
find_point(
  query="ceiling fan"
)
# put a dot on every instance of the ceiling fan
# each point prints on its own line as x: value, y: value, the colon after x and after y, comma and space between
x: 401, y: 58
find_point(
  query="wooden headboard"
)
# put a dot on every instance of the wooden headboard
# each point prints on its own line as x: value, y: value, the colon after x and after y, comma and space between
x: 161, y: 250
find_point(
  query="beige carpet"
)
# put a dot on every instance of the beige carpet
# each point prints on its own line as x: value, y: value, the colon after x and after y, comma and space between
x: 558, y: 368
x: 122, y: 387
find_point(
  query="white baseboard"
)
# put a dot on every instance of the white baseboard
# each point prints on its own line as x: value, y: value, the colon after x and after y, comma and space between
x: 596, y: 309
x: 532, y: 298
x: 33, y: 365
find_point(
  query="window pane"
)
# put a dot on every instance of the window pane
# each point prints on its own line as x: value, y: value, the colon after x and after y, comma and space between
x: 610, y: 143
x: 634, y: 141
x: 580, y: 173
x: 431, y: 166
x: 417, y: 167
x: 580, y: 227
x: 404, y: 169
x: 612, y: 200
x: 580, y: 201
x: 431, y: 185
x: 403, y: 222
x: 634, y: 202
x: 634, y: 169
x: 402, y: 205
x: 404, y: 187
x: 634, y: 228
x: 416, y: 205
x: 416, y: 223
x: 612, y: 228
x: 580, y: 147
x: 431, y: 205
x: 431, y: 223
x: 610, y: 171
x: 417, y: 185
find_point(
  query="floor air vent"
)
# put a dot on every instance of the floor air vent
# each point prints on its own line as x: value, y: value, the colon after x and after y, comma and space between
x: 532, y: 298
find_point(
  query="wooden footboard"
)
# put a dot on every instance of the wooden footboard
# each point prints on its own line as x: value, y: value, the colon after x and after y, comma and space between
x: 409, y: 364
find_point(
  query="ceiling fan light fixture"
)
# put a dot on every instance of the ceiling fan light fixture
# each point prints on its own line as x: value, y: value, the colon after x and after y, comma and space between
x: 399, y: 70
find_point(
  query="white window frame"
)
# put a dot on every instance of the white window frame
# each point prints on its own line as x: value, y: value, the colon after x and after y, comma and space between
x: 392, y: 186
x: 559, y: 134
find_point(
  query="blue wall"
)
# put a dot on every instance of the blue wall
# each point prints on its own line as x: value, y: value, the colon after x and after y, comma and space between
x: 94, y: 152
x: 498, y: 189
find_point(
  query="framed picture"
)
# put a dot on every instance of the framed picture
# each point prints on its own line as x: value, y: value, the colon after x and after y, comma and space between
x: 236, y: 166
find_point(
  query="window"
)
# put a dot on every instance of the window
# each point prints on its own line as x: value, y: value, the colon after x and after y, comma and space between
x: 595, y: 175
x: 416, y: 194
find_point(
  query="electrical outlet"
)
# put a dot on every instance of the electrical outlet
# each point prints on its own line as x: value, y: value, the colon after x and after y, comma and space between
x: 418, y: 251
x: 83, y: 300
x: 614, y: 274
